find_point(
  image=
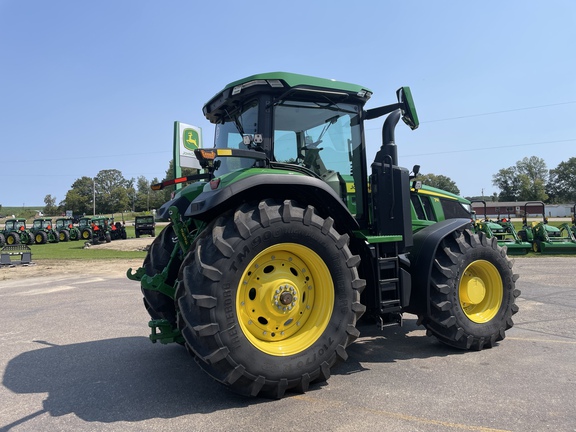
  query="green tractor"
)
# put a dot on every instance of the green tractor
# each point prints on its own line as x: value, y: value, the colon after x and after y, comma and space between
x: 504, y: 231
x: 85, y: 227
x: 96, y: 229
x: 272, y: 257
x: 117, y: 230
x: 100, y: 230
x: 66, y: 229
x: 43, y: 231
x: 15, y: 232
x: 573, y: 227
x: 545, y: 238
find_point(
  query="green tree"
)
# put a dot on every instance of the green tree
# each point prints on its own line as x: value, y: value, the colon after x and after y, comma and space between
x: 561, y: 186
x: 533, y: 175
x: 439, y: 181
x: 79, y: 197
x: 50, y: 207
x: 507, y: 181
x: 112, y: 192
x: 523, y: 182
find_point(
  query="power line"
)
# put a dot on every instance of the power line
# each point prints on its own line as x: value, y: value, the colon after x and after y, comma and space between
x: 499, y: 112
x: 491, y: 148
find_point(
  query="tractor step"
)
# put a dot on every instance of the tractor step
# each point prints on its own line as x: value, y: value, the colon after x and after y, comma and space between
x: 388, y: 285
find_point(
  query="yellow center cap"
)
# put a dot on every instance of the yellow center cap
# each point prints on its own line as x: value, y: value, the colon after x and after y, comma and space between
x: 474, y: 291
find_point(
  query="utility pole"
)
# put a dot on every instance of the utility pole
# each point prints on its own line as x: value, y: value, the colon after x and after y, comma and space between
x: 94, y: 196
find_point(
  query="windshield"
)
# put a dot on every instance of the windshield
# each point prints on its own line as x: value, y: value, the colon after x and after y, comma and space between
x: 230, y: 135
x: 325, y: 138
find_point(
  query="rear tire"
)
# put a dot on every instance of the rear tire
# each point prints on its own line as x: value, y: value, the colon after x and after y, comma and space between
x: 270, y: 298
x: 40, y: 237
x: 63, y: 235
x: 2, y: 240
x: 86, y: 234
x: 472, y: 292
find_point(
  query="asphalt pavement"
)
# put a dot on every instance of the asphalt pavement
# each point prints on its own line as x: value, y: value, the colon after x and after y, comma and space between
x: 75, y: 356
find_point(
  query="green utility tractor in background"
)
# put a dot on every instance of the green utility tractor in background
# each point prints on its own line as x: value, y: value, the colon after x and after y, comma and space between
x: 101, y: 231
x: 504, y: 231
x: 66, y: 229
x: 117, y: 230
x: 85, y: 227
x: 96, y: 228
x: 15, y: 232
x: 573, y: 227
x: 43, y: 231
x: 289, y: 236
x: 544, y: 238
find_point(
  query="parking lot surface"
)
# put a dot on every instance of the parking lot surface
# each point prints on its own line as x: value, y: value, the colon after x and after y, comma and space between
x: 75, y: 356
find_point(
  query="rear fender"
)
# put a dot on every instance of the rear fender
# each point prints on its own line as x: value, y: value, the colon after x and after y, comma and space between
x: 426, y: 242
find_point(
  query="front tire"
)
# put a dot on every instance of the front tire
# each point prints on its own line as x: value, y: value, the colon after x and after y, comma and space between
x: 472, y: 292
x: 270, y: 298
x: 159, y: 305
x: 12, y: 238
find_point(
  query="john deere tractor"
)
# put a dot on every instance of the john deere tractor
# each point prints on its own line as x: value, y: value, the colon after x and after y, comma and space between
x: 289, y: 236
x: 43, y: 231
x: 15, y: 232
x: 85, y: 227
x: 100, y: 230
x: 504, y: 231
x: 66, y: 229
x: 545, y: 238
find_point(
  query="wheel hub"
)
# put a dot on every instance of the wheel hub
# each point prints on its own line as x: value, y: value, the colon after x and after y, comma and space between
x: 285, y: 298
x: 474, y: 291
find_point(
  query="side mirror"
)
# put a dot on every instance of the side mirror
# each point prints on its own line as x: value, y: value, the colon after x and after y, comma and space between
x: 409, y: 115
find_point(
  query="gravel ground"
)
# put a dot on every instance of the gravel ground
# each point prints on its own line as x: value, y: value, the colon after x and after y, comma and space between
x: 115, y: 267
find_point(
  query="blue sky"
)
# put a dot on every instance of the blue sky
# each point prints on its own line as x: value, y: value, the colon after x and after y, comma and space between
x: 88, y: 86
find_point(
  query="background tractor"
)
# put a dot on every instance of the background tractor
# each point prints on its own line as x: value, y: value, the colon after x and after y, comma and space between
x: 117, y: 230
x: 504, y: 231
x: 85, y: 227
x: 289, y: 236
x: 100, y: 230
x: 43, y: 231
x: 66, y: 229
x: 15, y: 232
x: 545, y: 238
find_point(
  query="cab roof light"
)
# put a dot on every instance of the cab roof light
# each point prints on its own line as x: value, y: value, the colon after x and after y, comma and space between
x: 272, y: 83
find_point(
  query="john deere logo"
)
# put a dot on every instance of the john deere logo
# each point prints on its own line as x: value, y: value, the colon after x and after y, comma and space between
x: 190, y: 139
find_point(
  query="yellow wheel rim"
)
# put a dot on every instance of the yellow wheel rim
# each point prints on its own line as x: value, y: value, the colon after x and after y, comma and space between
x: 480, y: 291
x: 10, y: 240
x: 285, y: 299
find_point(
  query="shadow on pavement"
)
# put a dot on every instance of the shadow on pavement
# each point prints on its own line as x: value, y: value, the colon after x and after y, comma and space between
x: 125, y: 379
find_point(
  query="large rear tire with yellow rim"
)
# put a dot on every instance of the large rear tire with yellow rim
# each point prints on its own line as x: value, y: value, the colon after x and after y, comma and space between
x: 269, y: 297
x: 472, y: 292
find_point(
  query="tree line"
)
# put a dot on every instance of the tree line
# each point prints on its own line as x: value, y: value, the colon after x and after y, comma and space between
x: 528, y: 180
x: 112, y: 193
